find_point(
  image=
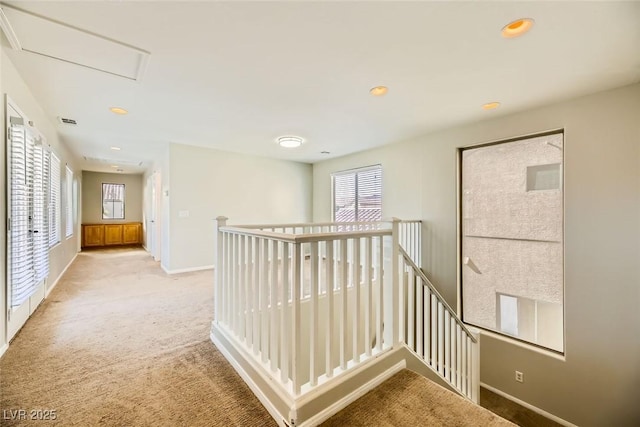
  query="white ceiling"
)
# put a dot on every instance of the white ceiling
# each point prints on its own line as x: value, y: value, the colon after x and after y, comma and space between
x: 236, y: 75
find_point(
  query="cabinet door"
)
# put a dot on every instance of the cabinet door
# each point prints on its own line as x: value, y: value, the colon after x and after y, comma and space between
x: 130, y: 234
x: 93, y: 235
x: 113, y: 234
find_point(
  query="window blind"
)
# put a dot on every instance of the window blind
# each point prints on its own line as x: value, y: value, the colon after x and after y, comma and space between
x: 357, y: 195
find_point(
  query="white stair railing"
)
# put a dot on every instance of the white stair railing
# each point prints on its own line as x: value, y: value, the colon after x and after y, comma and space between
x: 436, y: 334
x: 308, y: 307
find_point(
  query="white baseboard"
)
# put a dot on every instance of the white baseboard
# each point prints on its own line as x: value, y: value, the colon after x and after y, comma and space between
x: 528, y: 406
x: 49, y: 289
x: 186, y: 270
x: 3, y: 349
x: 333, y: 409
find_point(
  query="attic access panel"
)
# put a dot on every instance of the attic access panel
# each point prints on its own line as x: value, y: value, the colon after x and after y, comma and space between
x: 62, y: 42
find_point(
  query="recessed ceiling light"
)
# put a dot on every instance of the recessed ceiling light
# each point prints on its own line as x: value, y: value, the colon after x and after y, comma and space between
x: 115, y: 148
x: 517, y: 27
x: 290, y: 141
x: 115, y: 166
x: 118, y: 110
x: 379, y: 90
x: 490, y: 105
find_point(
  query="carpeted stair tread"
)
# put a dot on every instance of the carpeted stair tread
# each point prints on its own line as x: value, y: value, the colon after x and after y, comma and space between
x: 408, y: 399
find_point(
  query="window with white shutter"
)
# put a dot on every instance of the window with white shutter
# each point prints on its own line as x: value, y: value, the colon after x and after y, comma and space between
x: 69, y: 203
x: 54, y: 200
x: 357, y: 195
x: 27, y: 243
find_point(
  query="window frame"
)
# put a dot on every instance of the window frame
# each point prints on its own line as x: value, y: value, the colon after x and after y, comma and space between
x: 123, y: 201
x: 355, y: 172
x: 55, y: 200
x: 495, y: 333
x: 68, y: 232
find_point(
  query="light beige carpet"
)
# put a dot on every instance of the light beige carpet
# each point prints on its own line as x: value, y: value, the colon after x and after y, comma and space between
x: 120, y: 343
x: 408, y: 399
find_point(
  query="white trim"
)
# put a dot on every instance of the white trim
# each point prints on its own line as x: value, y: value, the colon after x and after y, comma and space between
x: 186, y: 270
x: 247, y: 379
x: 528, y: 406
x: 9, y: 32
x: 355, y: 395
x: 3, y: 349
x: 49, y: 289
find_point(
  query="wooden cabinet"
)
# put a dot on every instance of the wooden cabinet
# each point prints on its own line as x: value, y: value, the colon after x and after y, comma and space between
x: 97, y: 235
x: 92, y: 235
x: 131, y: 233
x: 112, y: 234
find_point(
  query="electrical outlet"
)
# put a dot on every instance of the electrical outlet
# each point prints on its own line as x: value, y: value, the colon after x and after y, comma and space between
x: 519, y: 377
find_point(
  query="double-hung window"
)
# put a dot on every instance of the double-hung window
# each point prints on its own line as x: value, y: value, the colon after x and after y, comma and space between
x: 357, y: 194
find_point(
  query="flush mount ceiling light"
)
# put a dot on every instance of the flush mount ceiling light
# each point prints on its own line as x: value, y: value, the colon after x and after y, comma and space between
x: 490, y: 105
x: 517, y: 28
x: 115, y: 148
x: 118, y: 110
x: 379, y: 90
x: 290, y: 141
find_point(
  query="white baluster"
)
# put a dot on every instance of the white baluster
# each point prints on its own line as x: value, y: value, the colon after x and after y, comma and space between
x: 286, y: 319
x: 275, y: 315
x: 465, y: 362
x: 355, y: 262
x: 228, y: 282
x: 440, y: 338
x: 344, y: 269
x: 419, y: 289
x: 458, y: 357
x: 330, y: 286
x: 410, y: 286
x: 295, y: 314
x: 313, y: 328
x: 426, y: 300
x: 242, y: 289
x: 256, y: 294
x: 264, y: 300
x: 434, y: 332
x: 380, y: 305
x: 475, y: 369
x: 250, y: 291
x: 368, y: 295
x: 447, y: 345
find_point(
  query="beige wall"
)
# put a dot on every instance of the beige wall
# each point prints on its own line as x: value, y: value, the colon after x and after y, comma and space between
x: 207, y: 183
x: 92, y: 196
x: 596, y: 384
x: 11, y: 84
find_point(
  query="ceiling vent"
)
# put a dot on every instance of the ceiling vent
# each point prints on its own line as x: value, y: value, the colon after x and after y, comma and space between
x: 65, y: 121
